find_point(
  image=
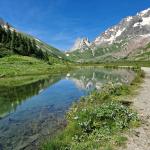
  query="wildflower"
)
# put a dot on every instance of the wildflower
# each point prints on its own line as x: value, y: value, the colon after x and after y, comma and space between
x: 75, y: 118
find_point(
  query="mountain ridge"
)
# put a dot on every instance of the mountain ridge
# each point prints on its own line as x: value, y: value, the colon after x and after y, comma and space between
x: 50, y: 50
x: 119, y: 41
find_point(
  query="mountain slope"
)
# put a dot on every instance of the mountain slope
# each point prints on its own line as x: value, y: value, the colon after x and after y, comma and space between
x: 125, y: 40
x: 47, y: 48
x: 11, y: 31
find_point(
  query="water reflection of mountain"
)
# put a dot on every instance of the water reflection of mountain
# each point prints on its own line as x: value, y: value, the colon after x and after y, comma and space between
x: 94, y: 78
x: 87, y: 78
x: 11, y: 97
x: 33, y: 118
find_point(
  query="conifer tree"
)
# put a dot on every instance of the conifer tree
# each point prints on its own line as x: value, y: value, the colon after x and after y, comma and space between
x: 17, y: 43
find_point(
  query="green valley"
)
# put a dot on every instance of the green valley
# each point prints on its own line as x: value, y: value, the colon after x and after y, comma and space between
x: 94, y: 96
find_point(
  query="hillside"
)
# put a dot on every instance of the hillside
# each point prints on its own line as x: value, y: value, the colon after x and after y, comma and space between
x: 26, y: 58
x: 128, y: 40
x: 52, y: 51
x: 13, y: 41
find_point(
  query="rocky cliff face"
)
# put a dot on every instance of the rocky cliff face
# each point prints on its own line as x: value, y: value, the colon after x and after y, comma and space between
x: 81, y: 44
x: 122, y: 40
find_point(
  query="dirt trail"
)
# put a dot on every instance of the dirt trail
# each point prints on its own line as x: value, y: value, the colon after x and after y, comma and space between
x: 139, y: 138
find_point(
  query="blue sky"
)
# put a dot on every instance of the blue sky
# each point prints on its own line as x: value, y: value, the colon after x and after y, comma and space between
x: 60, y: 22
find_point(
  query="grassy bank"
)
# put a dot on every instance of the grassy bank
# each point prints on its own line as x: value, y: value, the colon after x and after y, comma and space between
x: 16, y: 65
x: 117, y: 63
x: 18, y: 70
x: 99, y: 120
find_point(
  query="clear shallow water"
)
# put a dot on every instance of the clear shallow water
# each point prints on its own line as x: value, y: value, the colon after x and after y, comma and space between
x: 33, y: 112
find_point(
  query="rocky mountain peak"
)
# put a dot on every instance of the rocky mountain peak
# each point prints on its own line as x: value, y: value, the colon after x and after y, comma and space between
x: 144, y: 13
x: 81, y: 43
x: 128, y: 27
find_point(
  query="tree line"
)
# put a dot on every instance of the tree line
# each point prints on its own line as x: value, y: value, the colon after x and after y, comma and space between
x: 14, y: 42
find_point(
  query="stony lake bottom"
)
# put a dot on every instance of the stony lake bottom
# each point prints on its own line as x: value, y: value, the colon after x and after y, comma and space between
x: 31, y: 113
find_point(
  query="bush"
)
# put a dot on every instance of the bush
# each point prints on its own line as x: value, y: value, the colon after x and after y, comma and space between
x: 91, y: 127
x: 4, y: 52
x: 95, y: 120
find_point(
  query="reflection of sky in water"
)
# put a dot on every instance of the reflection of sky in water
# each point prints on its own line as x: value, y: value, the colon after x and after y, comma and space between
x: 43, y: 113
x: 49, y: 103
x: 60, y: 94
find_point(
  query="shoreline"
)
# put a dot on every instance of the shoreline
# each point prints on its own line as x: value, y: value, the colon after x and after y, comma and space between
x: 107, y: 100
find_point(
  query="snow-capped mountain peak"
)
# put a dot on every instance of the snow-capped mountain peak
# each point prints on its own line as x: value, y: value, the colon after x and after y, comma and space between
x: 129, y: 27
x: 144, y: 12
x: 126, y: 39
x: 129, y: 18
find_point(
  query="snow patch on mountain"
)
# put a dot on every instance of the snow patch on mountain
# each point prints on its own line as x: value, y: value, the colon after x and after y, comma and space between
x: 145, y: 35
x: 146, y: 21
x: 109, y: 36
x: 124, y: 29
x: 130, y: 34
x: 142, y: 13
x: 119, y: 32
x: 129, y: 18
x: 136, y: 25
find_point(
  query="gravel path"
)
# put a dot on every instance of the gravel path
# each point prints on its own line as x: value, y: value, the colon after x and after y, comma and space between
x: 139, y: 138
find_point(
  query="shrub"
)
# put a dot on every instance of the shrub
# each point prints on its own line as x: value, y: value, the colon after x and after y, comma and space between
x: 4, y: 52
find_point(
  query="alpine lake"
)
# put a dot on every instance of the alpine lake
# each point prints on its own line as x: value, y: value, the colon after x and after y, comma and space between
x: 31, y: 113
